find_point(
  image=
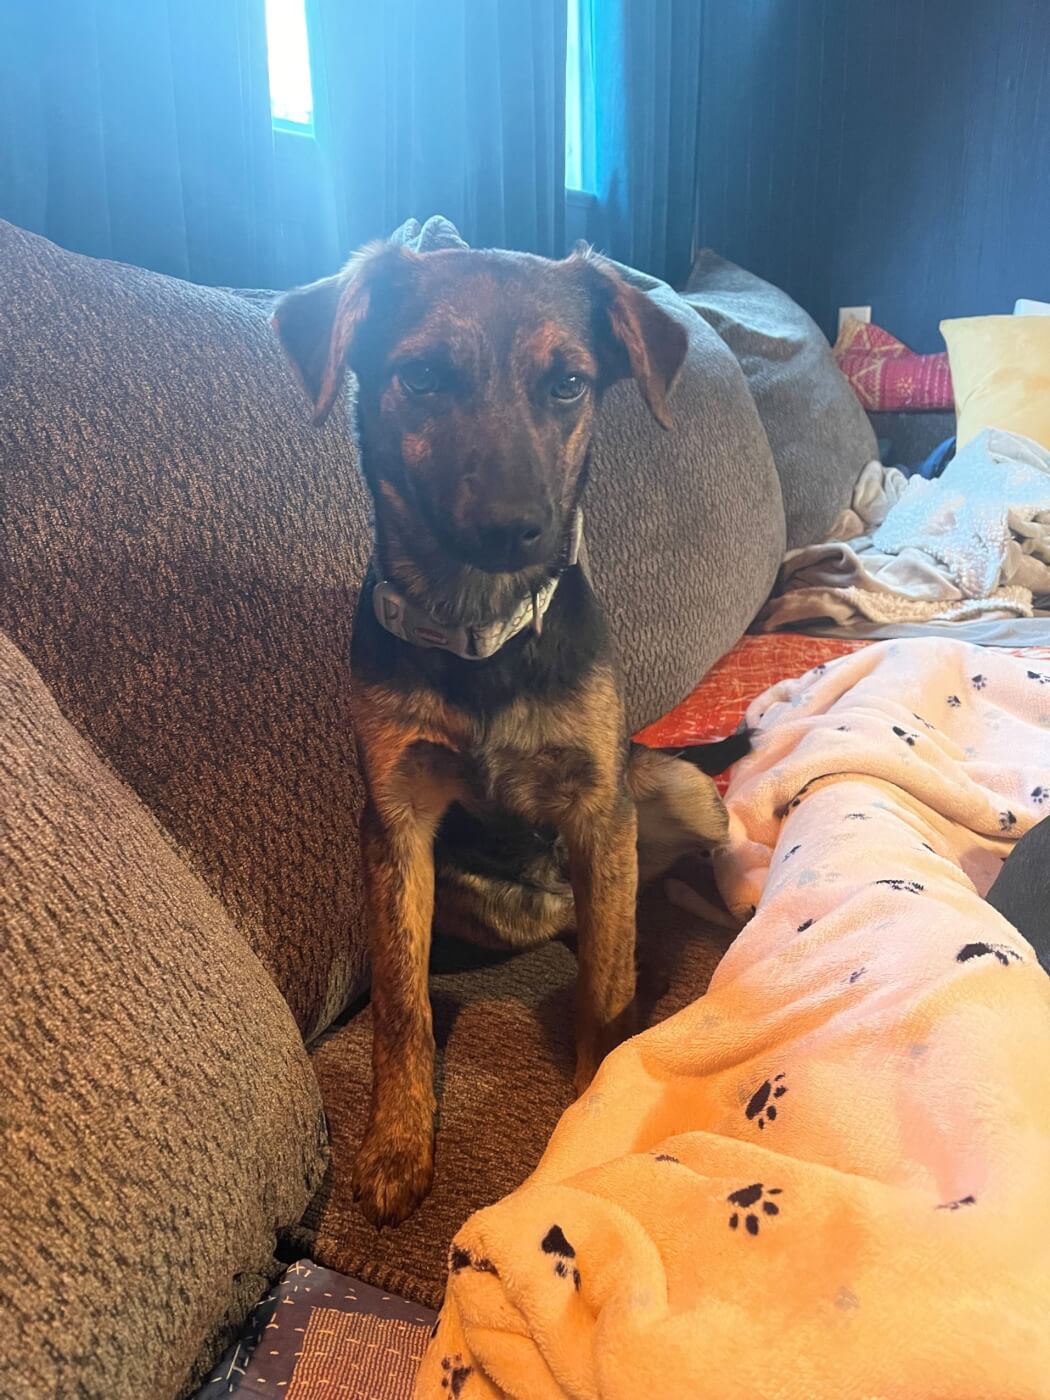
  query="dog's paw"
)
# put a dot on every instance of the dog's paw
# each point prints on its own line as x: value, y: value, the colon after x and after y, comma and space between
x: 392, y: 1175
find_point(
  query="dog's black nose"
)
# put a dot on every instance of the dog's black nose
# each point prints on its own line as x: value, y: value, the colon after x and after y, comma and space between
x: 512, y: 543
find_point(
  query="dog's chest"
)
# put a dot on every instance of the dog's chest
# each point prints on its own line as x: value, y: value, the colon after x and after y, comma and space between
x: 537, y: 759
x: 531, y: 761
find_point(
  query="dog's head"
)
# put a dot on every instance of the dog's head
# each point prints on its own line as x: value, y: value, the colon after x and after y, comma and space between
x: 478, y: 378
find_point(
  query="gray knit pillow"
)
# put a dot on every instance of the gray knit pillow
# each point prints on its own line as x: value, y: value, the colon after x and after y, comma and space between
x: 820, y: 435
x: 685, y: 528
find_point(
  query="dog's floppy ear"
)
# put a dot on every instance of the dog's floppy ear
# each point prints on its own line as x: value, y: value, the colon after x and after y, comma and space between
x: 642, y: 341
x: 317, y: 324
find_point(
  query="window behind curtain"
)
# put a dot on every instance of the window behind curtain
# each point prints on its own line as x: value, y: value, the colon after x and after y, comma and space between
x: 288, y: 55
x: 579, y: 97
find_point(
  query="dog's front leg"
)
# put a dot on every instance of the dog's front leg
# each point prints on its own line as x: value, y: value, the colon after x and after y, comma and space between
x: 603, y: 866
x: 395, y: 1163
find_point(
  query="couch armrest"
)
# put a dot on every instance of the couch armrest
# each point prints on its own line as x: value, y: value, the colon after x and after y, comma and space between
x: 161, y: 1119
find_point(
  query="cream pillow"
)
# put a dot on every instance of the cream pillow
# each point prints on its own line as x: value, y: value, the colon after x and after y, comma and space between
x: 1000, y: 374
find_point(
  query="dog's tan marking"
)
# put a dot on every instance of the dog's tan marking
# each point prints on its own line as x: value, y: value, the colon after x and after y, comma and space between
x: 579, y: 440
x: 550, y: 342
x: 442, y: 325
x: 564, y: 764
x: 415, y: 448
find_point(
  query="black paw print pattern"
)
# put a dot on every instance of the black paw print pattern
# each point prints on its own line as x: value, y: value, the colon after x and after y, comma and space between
x: 957, y: 1205
x: 999, y: 951
x: 857, y: 975
x: 1007, y: 821
x: 1039, y: 795
x: 761, y: 1105
x: 795, y: 801
x: 907, y: 886
x: 805, y: 924
x: 748, y: 1200
x: 954, y: 701
x: 456, y: 1374
x: 925, y: 722
x: 856, y: 816
x: 460, y: 1258
x: 978, y: 682
x: 554, y: 1242
x: 905, y: 734
x: 788, y: 854
x: 1038, y: 677
x: 665, y: 1157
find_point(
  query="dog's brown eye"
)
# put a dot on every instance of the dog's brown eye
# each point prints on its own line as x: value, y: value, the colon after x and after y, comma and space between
x: 419, y: 378
x: 569, y: 387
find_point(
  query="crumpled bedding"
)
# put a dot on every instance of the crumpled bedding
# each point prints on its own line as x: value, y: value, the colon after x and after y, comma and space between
x: 826, y: 1179
x: 972, y: 543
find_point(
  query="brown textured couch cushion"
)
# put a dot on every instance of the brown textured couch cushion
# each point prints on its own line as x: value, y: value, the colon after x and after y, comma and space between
x: 182, y: 554
x: 160, y: 1119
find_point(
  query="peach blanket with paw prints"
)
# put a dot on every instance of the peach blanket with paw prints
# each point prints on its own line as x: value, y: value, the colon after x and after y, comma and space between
x: 827, y: 1178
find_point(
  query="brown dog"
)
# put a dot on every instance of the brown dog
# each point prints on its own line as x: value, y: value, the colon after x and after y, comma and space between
x: 502, y: 796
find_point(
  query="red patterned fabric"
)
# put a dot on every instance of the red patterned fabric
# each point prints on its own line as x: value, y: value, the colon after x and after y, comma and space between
x: 887, y: 376
x: 718, y: 704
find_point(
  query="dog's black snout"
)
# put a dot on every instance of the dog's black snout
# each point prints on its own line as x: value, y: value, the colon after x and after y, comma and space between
x: 512, y: 541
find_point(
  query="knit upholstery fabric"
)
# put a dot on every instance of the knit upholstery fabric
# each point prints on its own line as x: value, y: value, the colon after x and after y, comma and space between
x: 820, y: 435
x: 182, y: 556
x: 160, y: 1121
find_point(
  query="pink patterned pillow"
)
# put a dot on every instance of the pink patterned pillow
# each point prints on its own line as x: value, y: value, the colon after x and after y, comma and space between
x: 886, y: 376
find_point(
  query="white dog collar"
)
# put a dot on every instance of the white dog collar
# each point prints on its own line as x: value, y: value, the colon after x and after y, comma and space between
x: 412, y: 624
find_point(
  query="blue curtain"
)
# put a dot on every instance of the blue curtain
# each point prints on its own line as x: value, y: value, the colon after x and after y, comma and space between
x: 140, y: 130
x: 454, y: 107
x: 646, y: 121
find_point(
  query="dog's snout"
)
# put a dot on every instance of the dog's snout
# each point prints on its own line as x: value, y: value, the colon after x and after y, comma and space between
x: 512, y: 539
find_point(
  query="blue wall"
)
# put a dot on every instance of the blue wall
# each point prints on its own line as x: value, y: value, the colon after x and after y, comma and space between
x: 886, y: 152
